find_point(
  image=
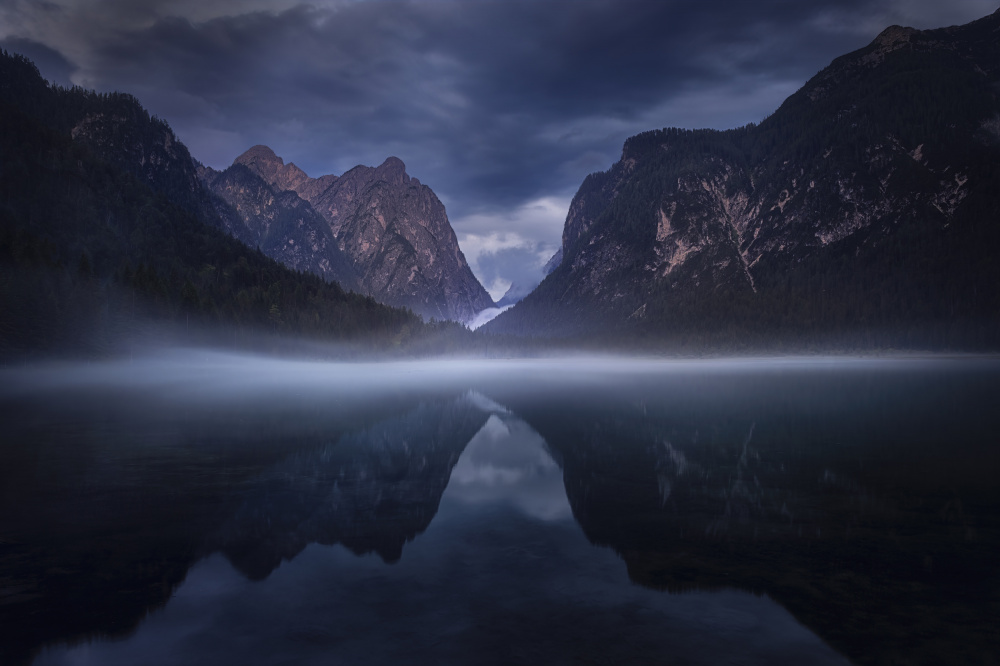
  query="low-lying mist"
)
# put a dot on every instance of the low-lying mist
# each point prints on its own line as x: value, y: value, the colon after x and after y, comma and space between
x: 197, y: 375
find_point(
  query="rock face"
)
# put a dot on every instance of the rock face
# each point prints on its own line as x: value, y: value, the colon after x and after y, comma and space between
x: 375, y: 229
x: 862, y: 206
x: 279, y: 222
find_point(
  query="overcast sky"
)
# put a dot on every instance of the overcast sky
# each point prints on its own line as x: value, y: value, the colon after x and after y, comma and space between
x: 502, y: 107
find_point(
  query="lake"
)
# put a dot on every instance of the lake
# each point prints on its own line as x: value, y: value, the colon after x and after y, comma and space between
x: 193, y: 507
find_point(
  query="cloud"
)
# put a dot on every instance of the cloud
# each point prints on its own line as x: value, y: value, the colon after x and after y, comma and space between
x: 504, y: 247
x: 493, y: 103
x: 543, y: 215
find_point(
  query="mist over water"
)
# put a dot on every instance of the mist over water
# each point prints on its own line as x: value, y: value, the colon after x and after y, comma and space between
x: 197, y: 506
x: 206, y: 374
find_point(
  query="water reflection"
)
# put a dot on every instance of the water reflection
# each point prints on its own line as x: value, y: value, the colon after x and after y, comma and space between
x: 507, y: 462
x: 865, y: 504
x: 372, y: 491
x: 447, y: 520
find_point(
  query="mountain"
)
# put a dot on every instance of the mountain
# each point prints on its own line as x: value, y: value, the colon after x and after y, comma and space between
x: 107, y: 232
x: 375, y: 229
x: 518, y: 290
x: 860, y: 213
x: 115, y: 129
x: 283, y: 225
x: 514, y: 293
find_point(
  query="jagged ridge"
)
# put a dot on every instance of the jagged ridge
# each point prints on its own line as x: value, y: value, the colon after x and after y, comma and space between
x: 390, y: 233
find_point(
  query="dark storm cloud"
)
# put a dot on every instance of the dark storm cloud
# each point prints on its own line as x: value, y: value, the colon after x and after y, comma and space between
x: 487, y: 101
x: 496, y: 104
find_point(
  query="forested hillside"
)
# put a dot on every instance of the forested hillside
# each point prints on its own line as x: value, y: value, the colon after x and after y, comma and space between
x: 861, y: 214
x: 106, y: 232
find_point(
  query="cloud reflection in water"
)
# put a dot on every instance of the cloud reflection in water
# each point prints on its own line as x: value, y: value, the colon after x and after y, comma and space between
x: 507, y: 463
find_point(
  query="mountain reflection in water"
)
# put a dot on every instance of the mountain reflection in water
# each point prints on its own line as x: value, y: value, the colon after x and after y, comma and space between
x: 411, y: 513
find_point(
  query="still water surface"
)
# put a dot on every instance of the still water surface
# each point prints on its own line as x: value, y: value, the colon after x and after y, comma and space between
x: 198, y: 508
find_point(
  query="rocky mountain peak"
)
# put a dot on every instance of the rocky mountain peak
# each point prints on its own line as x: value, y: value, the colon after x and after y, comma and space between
x: 266, y: 164
x: 894, y: 35
x: 391, y: 230
x: 392, y: 171
x: 261, y: 159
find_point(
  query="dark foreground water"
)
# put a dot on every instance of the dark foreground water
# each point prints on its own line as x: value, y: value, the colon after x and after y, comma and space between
x: 196, y: 508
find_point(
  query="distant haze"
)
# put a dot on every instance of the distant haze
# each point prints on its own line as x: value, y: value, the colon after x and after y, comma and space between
x: 502, y: 107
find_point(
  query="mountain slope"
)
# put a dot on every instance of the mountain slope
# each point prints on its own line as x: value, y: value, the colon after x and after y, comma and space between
x: 392, y: 231
x: 283, y: 225
x: 518, y: 290
x: 104, y: 228
x: 862, y: 210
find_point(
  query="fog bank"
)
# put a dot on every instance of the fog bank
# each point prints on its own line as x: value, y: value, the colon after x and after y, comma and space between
x: 200, y: 374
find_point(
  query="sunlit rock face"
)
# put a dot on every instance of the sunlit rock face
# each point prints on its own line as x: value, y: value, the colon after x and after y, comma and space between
x: 392, y: 231
x: 868, y: 188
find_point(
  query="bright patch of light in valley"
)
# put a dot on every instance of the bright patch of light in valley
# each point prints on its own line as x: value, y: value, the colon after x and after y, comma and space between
x: 535, y: 227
